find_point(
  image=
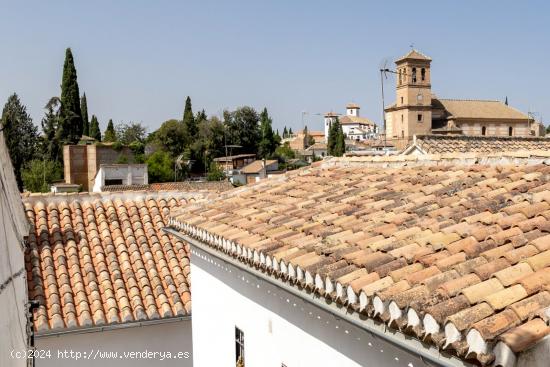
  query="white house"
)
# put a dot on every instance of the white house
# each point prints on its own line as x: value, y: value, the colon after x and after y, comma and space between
x: 120, y: 174
x: 354, y: 126
x: 254, y: 171
x: 14, y: 337
x: 112, y: 288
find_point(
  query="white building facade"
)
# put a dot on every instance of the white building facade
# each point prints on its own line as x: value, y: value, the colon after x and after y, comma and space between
x: 354, y: 126
x: 165, y: 342
x: 272, y: 327
x: 120, y: 174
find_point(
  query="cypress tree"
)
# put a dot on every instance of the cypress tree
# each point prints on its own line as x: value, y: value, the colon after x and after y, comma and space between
x: 21, y: 135
x: 71, y: 125
x: 51, y: 149
x: 189, y: 123
x: 290, y: 132
x: 336, y: 144
x: 267, y: 144
x: 85, y: 121
x: 95, y: 132
x: 285, y: 133
x: 110, y: 134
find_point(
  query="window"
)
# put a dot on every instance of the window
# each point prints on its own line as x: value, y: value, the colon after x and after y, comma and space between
x: 113, y: 182
x: 414, y: 75
x: 239, y: 346
x: 400, y: 78
x: 402, y: 134
x: 401, y: 117
x: 510, y: 131
x: 419, y: 117
x: 483, y: 130
x: 401, y: 100
x: 423, y: 74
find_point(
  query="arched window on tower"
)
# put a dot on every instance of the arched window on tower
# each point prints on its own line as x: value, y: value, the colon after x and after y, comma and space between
x: 423, y: 74
x: 510, y: 131
x: 414, y: 75
x: 483, y: 130
x: 400, y: 77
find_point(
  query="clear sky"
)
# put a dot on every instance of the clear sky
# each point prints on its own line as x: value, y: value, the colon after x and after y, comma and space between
x: 138, y: 60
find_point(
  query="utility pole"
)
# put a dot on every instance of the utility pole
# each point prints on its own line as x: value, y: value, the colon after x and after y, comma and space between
x: 382, y: 73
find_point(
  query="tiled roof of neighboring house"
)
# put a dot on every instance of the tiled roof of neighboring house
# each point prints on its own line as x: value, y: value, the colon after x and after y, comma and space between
x: 346, y: 120
x: 413, y: 54
x: 475, y: 109
x: 319, y: 146
x: 98, y: 260
x: 257, y: 166
x: 214, y: 186
x: 433, y: 144
x: 352, y: 105
x: 453, y: 249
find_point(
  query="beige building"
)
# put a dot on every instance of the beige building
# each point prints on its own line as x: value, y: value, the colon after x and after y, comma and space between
x: 81, y: 162
x: 417, y: 111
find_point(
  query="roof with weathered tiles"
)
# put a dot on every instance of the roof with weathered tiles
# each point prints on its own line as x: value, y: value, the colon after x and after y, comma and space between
x: 453, y: 249
x: 94, y: 261
x: 214, y: 186
x: 435, y: 144
x: 479, y: 109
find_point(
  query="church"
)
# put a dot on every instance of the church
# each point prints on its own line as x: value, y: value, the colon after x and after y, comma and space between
x: 417, y: 111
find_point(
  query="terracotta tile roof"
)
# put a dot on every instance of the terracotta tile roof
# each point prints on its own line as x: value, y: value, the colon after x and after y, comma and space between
x: 479, y: 109
x: 436, y: 144
x: 347, y: 120
x: 257, y: 166
x: 214, y: 186
x: 413, y: 55
x: 92, y: 262
x: 454, y: 249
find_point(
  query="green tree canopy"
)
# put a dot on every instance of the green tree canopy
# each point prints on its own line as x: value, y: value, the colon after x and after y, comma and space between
x: 71, y: 125
x: 21, y: 135
x: 38, y: 175
x: 243, y: 129
x: 51, y: 147
x: 95, y: 131
x: 85, y: 121
x: 215, y: 173
x: 189, y: 123
x: 285, y: 133
x: 268, y: 143
x: 169, y: 137
x: 110, y: 133
x: 127, y: 133
x: 160, y: 167
x: 336, y: 145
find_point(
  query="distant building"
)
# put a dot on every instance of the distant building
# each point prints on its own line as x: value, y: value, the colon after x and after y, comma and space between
x: 417, y: 111
x: 354, y: 126
x: 234, y: 162
x: 120, y: 174
x: 62, y: 187
x: 255, y: 171
x: 81, y: 162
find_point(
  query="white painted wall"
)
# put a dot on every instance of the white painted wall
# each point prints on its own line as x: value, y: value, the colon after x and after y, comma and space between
x: 279, y: 328
x: 170, y: 337
x: 13, y: 283
x: 130, y: 174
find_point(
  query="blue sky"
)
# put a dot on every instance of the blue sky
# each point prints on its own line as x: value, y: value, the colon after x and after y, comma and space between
x: 138, y: 60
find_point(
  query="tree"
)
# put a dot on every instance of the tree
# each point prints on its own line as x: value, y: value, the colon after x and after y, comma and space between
x: 160, y: 167
x: 243, y: 129
x: 215, y: 173
x: 85, y: 121
x: 285, y: 133
x: 51, y: 147
x: 268, y: 143
x: 308, y: 139
x: 95, y: 132
x: 71, y: 125
x: 21, y: 135
x: 284, y: 153
x: 110, y: 133
x: 38, y: 175
x: 127, y: 133
x: 336, y: 145
x: 189, y: 123
x: 169, y: 137
x: 201, y: 116
x: 290, y: 133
